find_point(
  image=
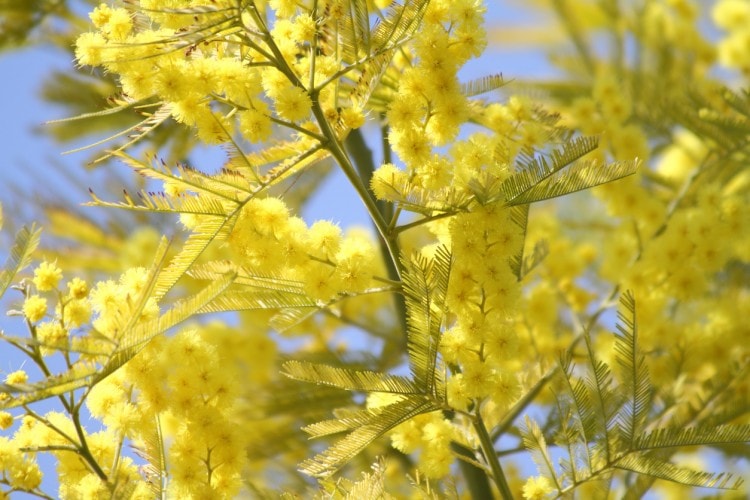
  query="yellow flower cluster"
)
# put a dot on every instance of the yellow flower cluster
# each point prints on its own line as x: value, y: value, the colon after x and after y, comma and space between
x: 431, y: 435
x: 733, y: 16
x: 268, y: 239
x: 196, y: 401
x: 483, y: 294
x: 219, y: 81
x: 429, y: 107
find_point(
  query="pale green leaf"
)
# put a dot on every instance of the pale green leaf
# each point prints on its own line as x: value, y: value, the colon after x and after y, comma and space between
x: 27, y: 240
x: 352, y: 380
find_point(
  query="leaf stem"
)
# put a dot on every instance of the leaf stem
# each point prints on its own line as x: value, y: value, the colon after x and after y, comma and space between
x: 488, y: 449
x: 336, y: 149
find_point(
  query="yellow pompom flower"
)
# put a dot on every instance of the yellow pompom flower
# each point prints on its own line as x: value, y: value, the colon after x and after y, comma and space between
x: 731, y: 14
x: 352, y: 118
x: 255, y: 125
x: 292, y: 103
x: 283, y: 8
x: 100, y: 15
x: 436, y: 460
x: 78, y: 288
x: 324, y: 239
x: 118, y: 25
x: 51, y: 334
x: 25, y: 475
x: 319, y: 281
x: 412, y: 145
x: 304, y: 28
x: 537, y: 488
x: 47, y: 276
x: 90, y: 48
x: 34, y: 308
x: 6, y: 421
x: 385, y: 181
x: 354, y: 264
x: 407, y: 437
x: 17, y: 377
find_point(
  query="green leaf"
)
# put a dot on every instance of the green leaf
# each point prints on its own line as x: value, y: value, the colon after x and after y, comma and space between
x: 604, y: 398
x: 482, y: 85
x: 636, y: 383
x: 161, y: 202
x: 326, y: 463
x: 534, y: 441
x: 238, y: 300
x: 584, y: 423
x: 54, y: 385
x: 135, y: 133
x: 136, y: 338
x: 27, y: 240
x: 151, y: 449
x: 692, y: 436
x: 664, y: 470
x: 352, y: 380
x: 207, y: 230
x: 425, y: 284
x: 227, y: 186
x: 583, y: 175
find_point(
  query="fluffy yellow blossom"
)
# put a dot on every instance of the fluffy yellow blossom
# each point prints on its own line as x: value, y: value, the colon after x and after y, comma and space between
x: 91, y: 49
x: 537, y: 488
x: 51, y: 334
x: 17, y: 377
x: 385, y: 181
x: 25, y: 475
x: 78, y: 288
x: 34, y: 308
x: 255, y: 123
x: 324, y: 239
x: 731, y: 14
x: 46, y: 276
x: 76, y: 313
x: 352, y: 118
x: 6, y: 421
x: 292, y: 103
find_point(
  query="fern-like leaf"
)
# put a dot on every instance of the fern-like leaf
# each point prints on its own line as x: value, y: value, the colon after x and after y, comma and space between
x: 151, y: 449
x: 134, y: 133
x: 534, y: 441
x: 55, y: 385
x: 235, y: 300
x: 425, y: 284
x: 482, y: 85
x: 352, y: 380
x: 520, y: 189
x: 151, y: 202
x: 189, y: 179
x: 635, y: 378
x: 329, y: 461
x: 27, y: 240
x: 372, y: 484
x: 604, y: 397
x: 584, y: 425
x: 208, y: 230
x: 692, y: 436
x: 665, y: 470
x: 134, y: 340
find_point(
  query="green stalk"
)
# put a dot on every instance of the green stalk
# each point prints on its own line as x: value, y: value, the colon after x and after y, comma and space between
x: 336, y: 149
x: 488, y: 449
